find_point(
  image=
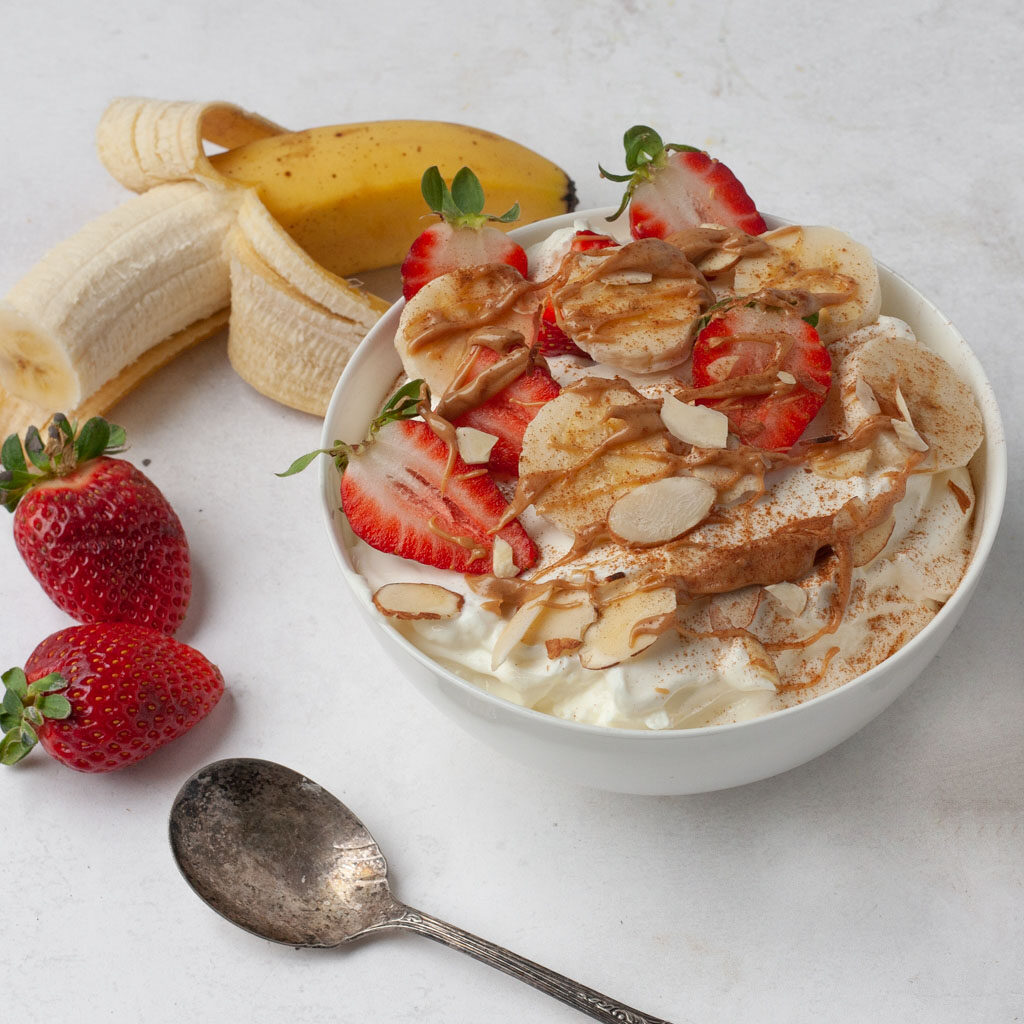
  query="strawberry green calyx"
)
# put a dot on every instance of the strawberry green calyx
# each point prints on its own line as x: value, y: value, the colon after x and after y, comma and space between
x: 405, y: 404
x: 645, y: 154
x: 25, y: 707
x: 462, y: 205
x: 65, y: 448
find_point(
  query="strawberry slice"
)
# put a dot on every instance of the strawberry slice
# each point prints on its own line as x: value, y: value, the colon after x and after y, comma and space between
x: 769, y: 372
x: 671, y: 187
x: 399, y: 496
x: 507, y: 414
x: 463, y: 237
x: 551, y: 339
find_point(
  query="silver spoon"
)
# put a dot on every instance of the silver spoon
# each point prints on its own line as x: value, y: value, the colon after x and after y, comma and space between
x: 278, y: 855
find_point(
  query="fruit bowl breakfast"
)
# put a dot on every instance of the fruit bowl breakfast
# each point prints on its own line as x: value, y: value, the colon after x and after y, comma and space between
x: 698, y: 559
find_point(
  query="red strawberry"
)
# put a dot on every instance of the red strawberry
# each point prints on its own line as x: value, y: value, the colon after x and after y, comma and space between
x: 106, y: 695
x: 551, y: 339
x: 463, y: 238
x: 749, y: 340
x: 398, y: 496
x: 94, y: 531
x: 507, y: 414
x: 672, y: 187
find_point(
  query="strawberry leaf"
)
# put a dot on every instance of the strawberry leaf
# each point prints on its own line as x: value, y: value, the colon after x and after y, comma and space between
x: 36, y: 449
x: 433, y: 188
x: 54, y: 705
x: 11, y: 455
x: 467, y: 192
x: 12, y: 749
x: 303, y: 461
x: 47, y: 684
x: 15, y: 683
x: 92, y: 439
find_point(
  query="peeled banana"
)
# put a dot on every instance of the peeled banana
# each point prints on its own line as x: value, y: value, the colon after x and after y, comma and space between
x: 273, y: 225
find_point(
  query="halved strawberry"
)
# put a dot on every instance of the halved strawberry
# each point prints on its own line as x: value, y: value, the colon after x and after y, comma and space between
x: 399, y: 496
x: 551, y: 339
x: 463, y: 238
x: 672, y: 187
x: 507, y: 414
x: 741, y: 354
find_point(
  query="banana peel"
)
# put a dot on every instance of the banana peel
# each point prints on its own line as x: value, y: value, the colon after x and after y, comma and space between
x: 282, y: 220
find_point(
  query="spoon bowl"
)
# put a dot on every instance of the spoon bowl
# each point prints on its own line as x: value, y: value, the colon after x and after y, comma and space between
x: 279, y: 856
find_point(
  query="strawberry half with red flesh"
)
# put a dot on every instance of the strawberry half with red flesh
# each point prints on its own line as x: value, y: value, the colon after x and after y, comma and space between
x: 507, y: 414
x: 399, y: 495
x: 671, y: 187
x: 96, y: 532
x: 404, y: 490
x: 551, y: 339
x: 105, y: 695
x: 463, y: 237
x: 746, y: 349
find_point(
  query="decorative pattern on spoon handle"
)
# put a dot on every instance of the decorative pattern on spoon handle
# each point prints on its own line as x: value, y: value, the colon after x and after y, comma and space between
x: 581, y: 997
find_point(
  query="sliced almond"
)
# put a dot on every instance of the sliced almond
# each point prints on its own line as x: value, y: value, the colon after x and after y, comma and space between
x: 563, y: 621
x: 695, y: 424
x: 736, y: 609
x: 417, y: 601
x: 866, y: 397
x: 871, y: 543
x: 908, y: 436
x: 515, y: 630
x: 786, y: 377
x: 502, y: 559
x: 628, y: 626
x: 789, y: 595
x: 474, y: 445
x: 657, y: 512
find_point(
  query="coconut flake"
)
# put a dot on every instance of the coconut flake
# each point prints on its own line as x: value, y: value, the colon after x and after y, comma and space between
x: 908, y: 436
x: 474, y: 445
x: 866, y: 397
x: 662, y: 510
x: 628, y: 277
x: 695, y: 424
x: 417, y: 601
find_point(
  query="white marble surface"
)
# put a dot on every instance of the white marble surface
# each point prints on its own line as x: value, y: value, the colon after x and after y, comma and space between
x: 882, y: 882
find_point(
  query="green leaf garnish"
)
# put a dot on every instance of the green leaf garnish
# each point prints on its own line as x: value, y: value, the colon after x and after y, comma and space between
x: 25, y: 708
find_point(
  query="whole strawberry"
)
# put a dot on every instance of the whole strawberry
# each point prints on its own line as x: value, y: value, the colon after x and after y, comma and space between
x: 95, y: 531
x: 102, y: 696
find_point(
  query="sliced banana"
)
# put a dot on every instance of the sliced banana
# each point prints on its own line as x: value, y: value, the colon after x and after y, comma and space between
x: 888, y: 359
x: 588, y: 447
x: 634, y: 307
x: 127, y: 281
x: 437, y: 324
x: 823, y: 261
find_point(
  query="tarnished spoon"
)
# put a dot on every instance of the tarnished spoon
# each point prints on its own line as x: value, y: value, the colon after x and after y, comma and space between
x: 278, y: 855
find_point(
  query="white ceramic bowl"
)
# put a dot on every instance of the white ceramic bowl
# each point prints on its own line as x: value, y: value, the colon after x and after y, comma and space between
x: 680, y: 761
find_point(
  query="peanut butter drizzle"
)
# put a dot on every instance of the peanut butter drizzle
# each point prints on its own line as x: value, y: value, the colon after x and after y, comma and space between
x: 817, y: 677
x: 446, y: 432
x: 469, y: 543
x: 466, y: 391
x: 662, y: 261
x: 698, y: 243
x: 435, y: 325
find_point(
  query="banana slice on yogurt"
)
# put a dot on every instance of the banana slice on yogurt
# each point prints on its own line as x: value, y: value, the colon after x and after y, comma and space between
x: 824, y: 262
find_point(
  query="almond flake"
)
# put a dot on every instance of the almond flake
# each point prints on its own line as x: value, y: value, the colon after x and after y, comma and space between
x: 909, y: 436
x: 786, y: 377
x: 789, y: 595
x: 627, y: 627
x: 517, y: 627
x: 417, y: 601
x: 502, y: 561
x: 866, y: 397
x: 474, y: 445
x: 563, y: 620
x: 662, y: 510
x: 695, y: 424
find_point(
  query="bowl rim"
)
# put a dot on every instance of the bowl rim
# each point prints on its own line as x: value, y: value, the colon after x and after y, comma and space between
x: 993, y: 492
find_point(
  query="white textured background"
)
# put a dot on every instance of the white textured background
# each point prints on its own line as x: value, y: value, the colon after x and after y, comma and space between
x: 882, y: 882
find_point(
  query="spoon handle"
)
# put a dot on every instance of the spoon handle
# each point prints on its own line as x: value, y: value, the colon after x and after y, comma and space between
x: 587, y: 1000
